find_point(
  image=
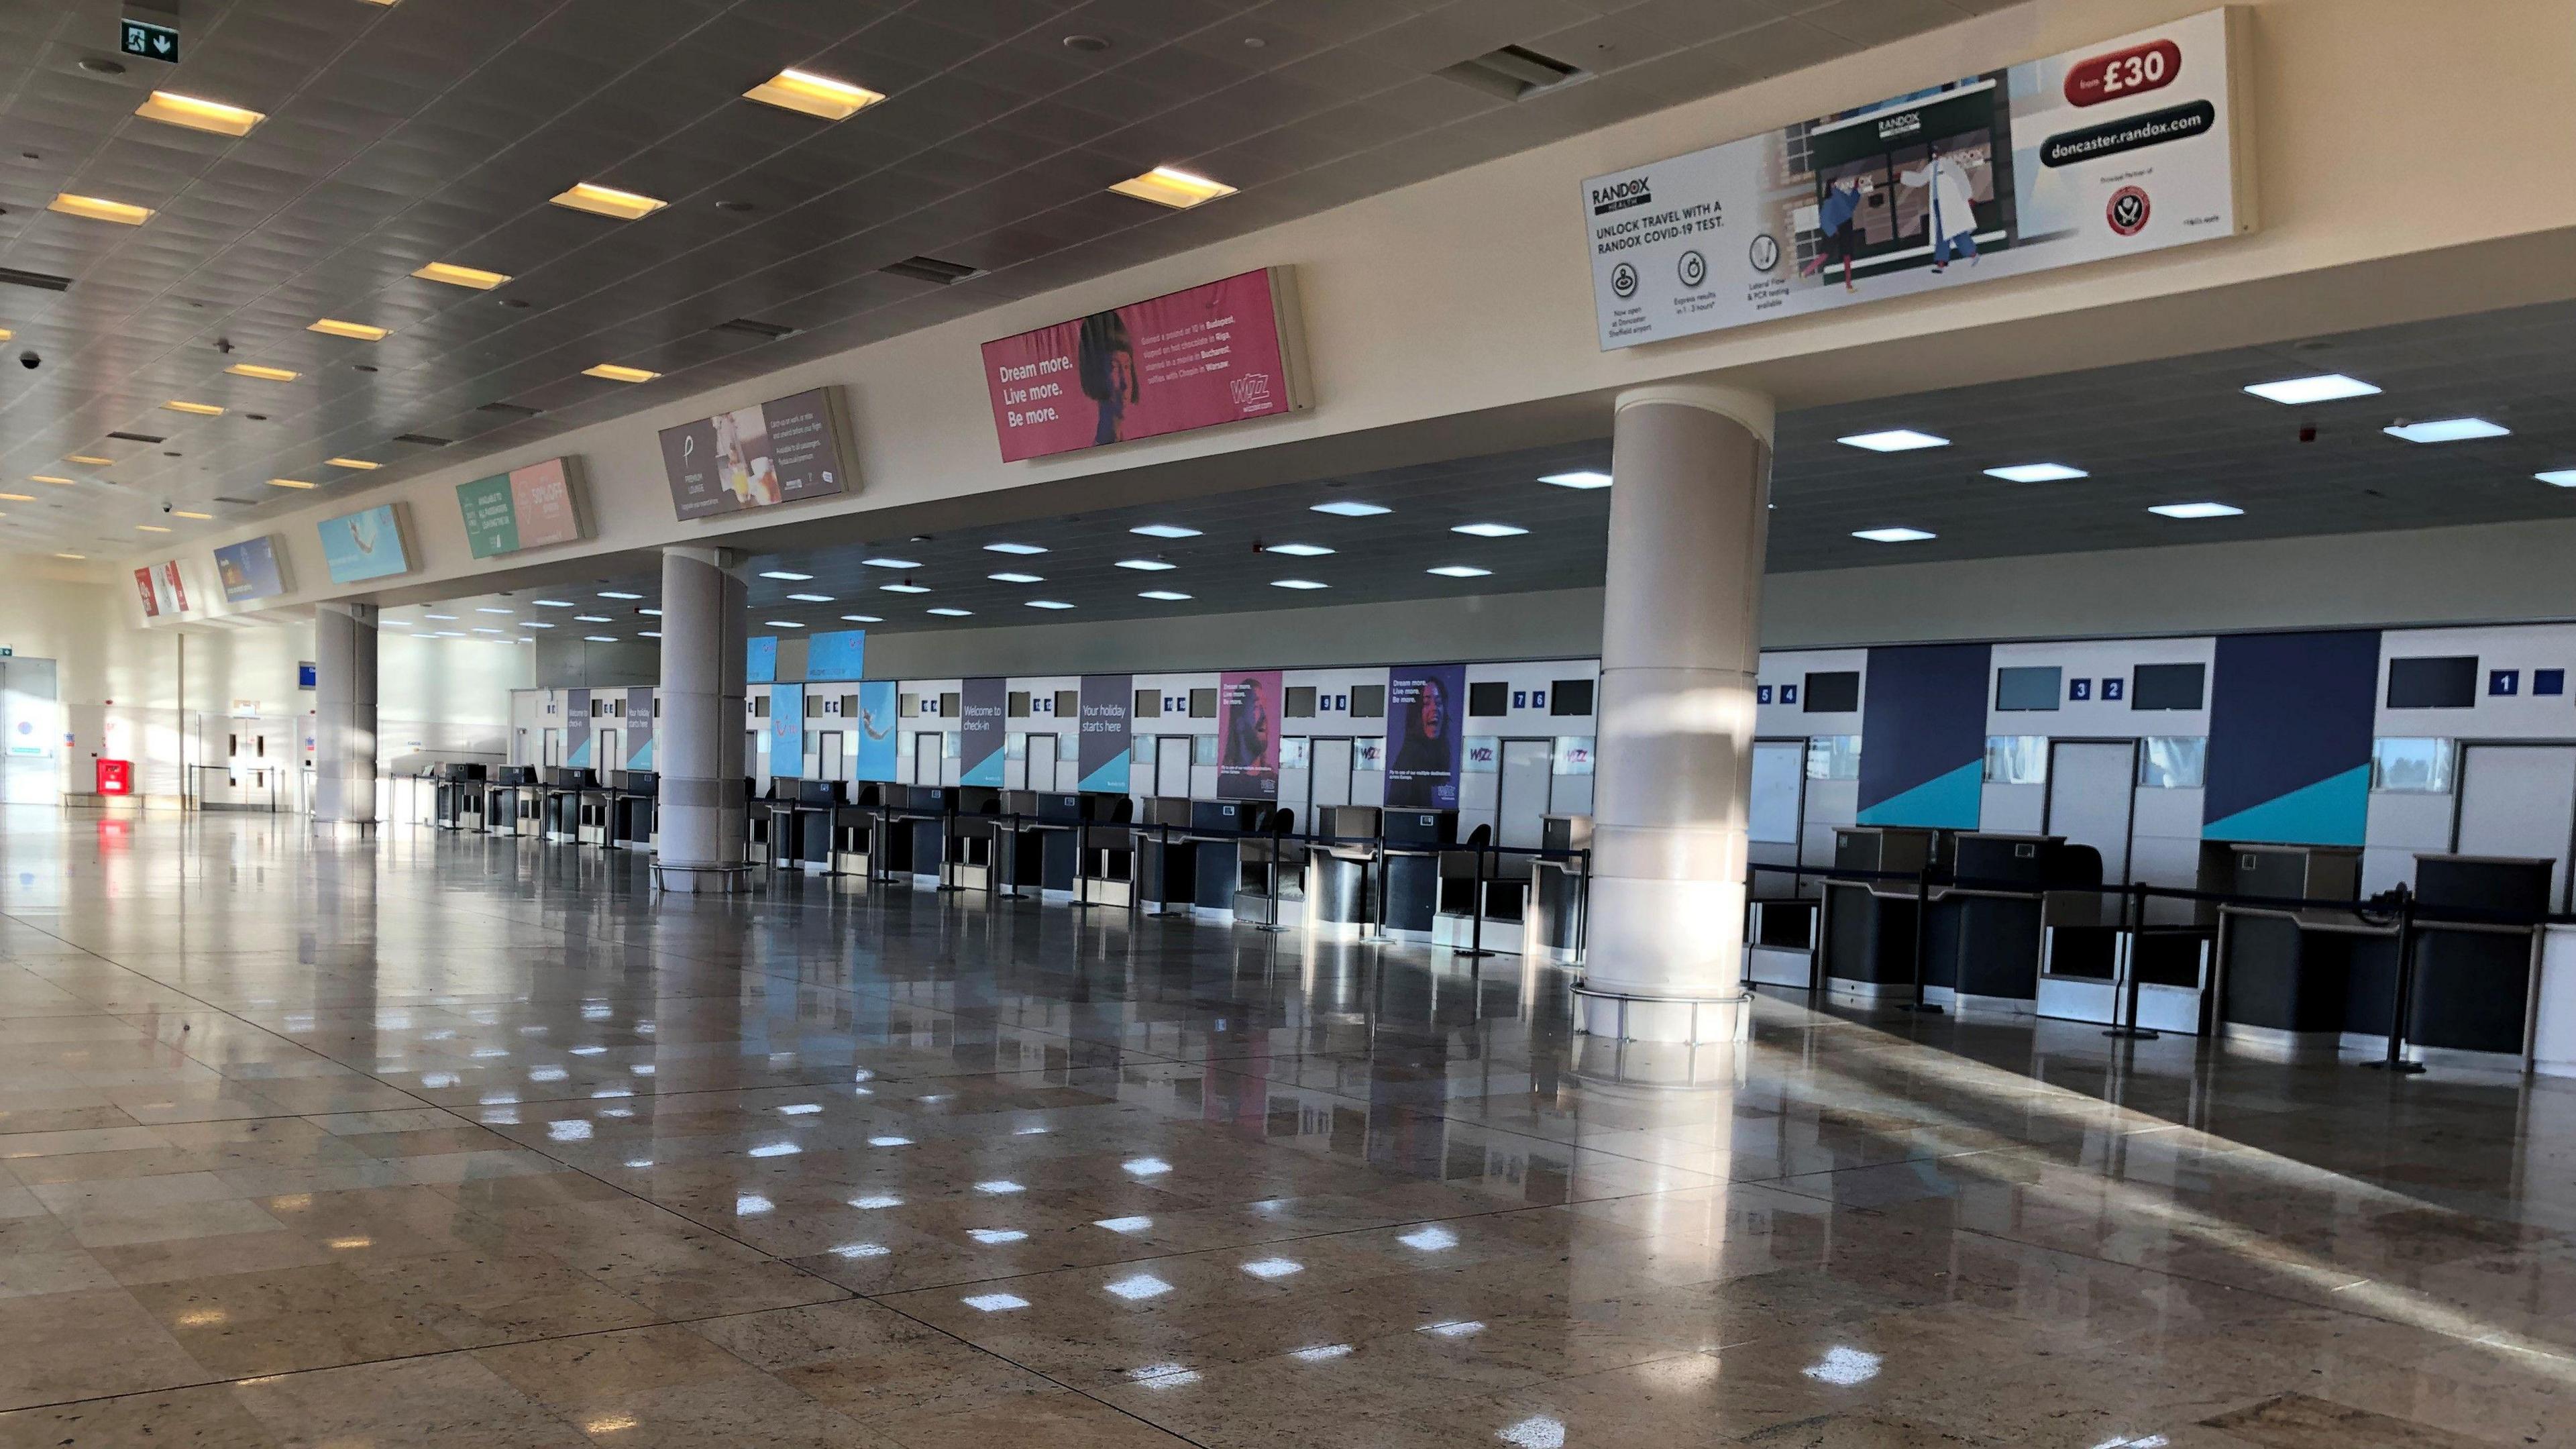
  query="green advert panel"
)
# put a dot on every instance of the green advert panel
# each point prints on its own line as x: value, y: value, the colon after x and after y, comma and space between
x: 491, y: 519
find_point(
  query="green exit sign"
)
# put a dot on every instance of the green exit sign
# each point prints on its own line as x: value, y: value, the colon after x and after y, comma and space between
x: 149, y: 40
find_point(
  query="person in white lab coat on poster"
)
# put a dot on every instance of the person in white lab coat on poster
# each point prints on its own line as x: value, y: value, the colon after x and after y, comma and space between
x: 1951, y: 217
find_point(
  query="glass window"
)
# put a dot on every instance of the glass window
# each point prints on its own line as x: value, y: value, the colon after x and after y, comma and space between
x: 1573, y: 755
x: 1015, y: 746
x: 1370, y: 754
x: 1203, y: 748
x: 1569, y: 696
x: 1833, y: 757
x: 2028, y: 687
x: 1294, y: 752
x: 2411, y: 766
x: 2018, y: 759
x: 2172, y: 762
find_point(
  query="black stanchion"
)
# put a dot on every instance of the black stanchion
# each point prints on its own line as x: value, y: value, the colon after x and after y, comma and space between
x: 1922, y: 943
x: 1476, y: 912
x: 1162, y: 873
x: 2395, y: 1063
x: 1014, y: 893
x: 2133, y: 924
x: 1272, y: 926
x: 1082, y: 900
x: 948, y: 845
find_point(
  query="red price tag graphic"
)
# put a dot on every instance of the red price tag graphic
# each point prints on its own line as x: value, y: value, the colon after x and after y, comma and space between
x: 2140, y: 68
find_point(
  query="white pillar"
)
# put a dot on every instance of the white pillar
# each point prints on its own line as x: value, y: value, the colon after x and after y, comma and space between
x: 698, y: 741
x: 344, y: 716
x: 1680, y: 646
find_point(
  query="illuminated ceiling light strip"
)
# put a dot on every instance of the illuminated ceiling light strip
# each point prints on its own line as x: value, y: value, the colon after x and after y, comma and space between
x: 813, y: 95
x: 456, y: 276
x: 1585, y: 479
x: 608, y: 201
x: 203, y: 410
x: 614, y: 372
x: 355, y: 331
x: 88, y: 459
x: 99, y: 208
x: 361, y: 464
x: 264, y: 374
x: 198, y: 114
x: 1172, y: 187
x: 50, y: 478
x: 185, y: 513
x: 291, y: 483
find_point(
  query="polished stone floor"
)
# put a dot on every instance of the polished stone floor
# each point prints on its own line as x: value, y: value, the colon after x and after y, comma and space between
x: 463, y: 1141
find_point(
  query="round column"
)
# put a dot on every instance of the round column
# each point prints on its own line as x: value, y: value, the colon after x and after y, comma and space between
x: 344, y: 716
x: 698, y: 741
x: 1680, y: 646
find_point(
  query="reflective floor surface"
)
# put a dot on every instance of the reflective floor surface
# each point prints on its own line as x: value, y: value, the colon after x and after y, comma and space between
x: 465, y: 1141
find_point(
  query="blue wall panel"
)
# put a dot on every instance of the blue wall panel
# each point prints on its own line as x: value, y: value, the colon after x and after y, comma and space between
x: 2290, y: 717
x: 1923, y: 733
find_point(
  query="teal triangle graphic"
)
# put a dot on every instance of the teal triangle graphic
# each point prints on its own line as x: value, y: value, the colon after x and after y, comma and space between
x: 2333, y: 811
x: 1110, y: 778
x: 1954, y: 801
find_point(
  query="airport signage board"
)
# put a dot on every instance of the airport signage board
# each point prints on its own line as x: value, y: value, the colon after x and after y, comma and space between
x: 786, y: 450
x: 250, y: 570
x: 1426, y: 716
x: 1247, y: 726
x: 2130, y: 146
x: 1107, y: 732
x: 364, y: 545
x: 981, y: 745
x: 836, y: 654
x: 530, y: 507
x: 1216, y: 353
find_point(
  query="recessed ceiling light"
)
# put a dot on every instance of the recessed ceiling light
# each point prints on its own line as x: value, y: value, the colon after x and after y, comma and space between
x: 484, y: 629
x: 71, y: 555
x: 617, y: 594
x: 1165, y: 530
x: 954, y: 613
x: 88, y: 460
x: 456, y: 276
x: 264, y: 374
x: 1297, y: 584
x: 2558, y: 477
x: 2195, y: 510
x: 2325, y: 387
x: 787, y: 575
x: 814, y: 95
x: 1459, y: 571
x: 360, y: 464
x: 1048, y: 604
x: 139, y: 528
x: 650, y: 613
x: 99, y: 208
x: 1489, y: 530
x: 1585, y: 478
x: 186, y: 513
x: 599, y: 638
x: 1018, y: 548
x: 608, y: 201
x: 1894, y: 535
x: 1298, y: 550
x: 1147, y: 565
x: 1893, y: 440
x: 50, y: 478
x: 449, y: 617
x: 1168, y: 186
x: 172, y: 108
x: 1165, y: 595
x: 615, y: 373
x: 811, y: 598
x: 17, y: 497
x: 534, y: 624
x: 354, y: 331
x: 902, y: 589
x: 493, y: 609
x: 891, y: 563
x: 861, y: 619
x: 782, y: 624
x: 554, y: 603
x: 647, y: 634
x: 2447, y: 430
x: 203, y: 410
x: 290, y: 483
x: 1016, y: 578
x: 592, y: 619
x: 1346, y: 509
x: 2037, y: 473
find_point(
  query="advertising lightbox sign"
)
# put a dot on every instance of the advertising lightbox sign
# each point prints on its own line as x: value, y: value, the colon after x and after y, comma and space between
x: 836, y: 654
x: 1211, y: 354
x: 250, y: 570
x: 983, y: 705
x: 2128, y: 146
x: 1426, y: 709
x: 878, y: 753
x: 784, y: 451
x: 1247, y: 729
x: 1107, y: 738
x: 364, y: 545
x: 530, y: 507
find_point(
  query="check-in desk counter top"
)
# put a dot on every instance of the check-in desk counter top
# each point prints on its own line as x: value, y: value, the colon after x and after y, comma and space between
x: 1870, y: 926
x: 1166, y: 856
x: 1411, y: 844
x: 1987, y: 923
x: 633, y: 798
x: 2285, y: 974
x: 1341, y: 872
x: 564, y: 789
x: 1034, y: 843
x: 1559, y: 890
x: 805, y: 818
x: 1216, y: 829
x: 1109, y: 851
x: 2478, y: 972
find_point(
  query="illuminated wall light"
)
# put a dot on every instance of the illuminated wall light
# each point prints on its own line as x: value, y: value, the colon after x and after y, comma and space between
x: 354, y: 331
x: 99, y: 208
x: 456, y: 276
x: 264, y: 374
x: 813, y: 95
x: 615, y: 373
x: 608, y: 201
x: 1172, y: 187
x: 197, y: 409
x: 198, y: 114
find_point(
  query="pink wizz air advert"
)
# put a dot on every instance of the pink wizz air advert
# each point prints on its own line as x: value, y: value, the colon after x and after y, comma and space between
x: 1211, y: 354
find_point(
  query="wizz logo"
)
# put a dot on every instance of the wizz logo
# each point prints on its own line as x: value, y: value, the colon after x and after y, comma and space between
x: 1250, y: 387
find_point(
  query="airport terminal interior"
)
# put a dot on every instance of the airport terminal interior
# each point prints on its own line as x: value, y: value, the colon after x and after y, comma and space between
x: 1824, y: 724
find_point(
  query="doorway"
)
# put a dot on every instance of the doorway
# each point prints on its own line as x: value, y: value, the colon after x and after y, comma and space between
x: 1329, y: 768
x: 1520, y: 811
x: 2092, y: 798
x: 1041, y: 752
x: 2519, y: 800
x: 1775, y: 814
x: 828, y: 764
x: 30, y: 725
x: 1172, y: 767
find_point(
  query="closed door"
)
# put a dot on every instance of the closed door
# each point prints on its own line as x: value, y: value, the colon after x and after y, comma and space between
x: 1042, y: 763
x: 2519, y: 800
x: 606, y: 757
x: 1774, y: 814
x: 1172, y: 766
x: 926, y: 752
x: 2092, y: 785
x: 554, y: 749
x: 1330, y: 763
x: 30, y: 723
x: 1522, y: 808
x: 828, y: 764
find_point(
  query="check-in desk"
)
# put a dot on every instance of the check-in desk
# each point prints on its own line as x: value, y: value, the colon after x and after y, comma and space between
x: 561, y: 802
x: 595, y: 814
x: 2284, y: 974
x: 2103, y: 957
x: 1109, y: 851
x: 1034, y: 844
x: 1271, y: 869
x: 1477, y: 880
x: 1216, y: 828
x: 805, y: 819
x: 1341, y: 872
x: 1412, y: 843
x: 633, y: 796
x: 854, y: 833
x: 1553, y: 928
x: 459, y: 796
x: 1166, y: 856
x: 513, y: 803
x: 1987, y: 924
x: 2476, y: 980
x: 767, y: 816
x: 1870, y: 926
x: 970, y: 838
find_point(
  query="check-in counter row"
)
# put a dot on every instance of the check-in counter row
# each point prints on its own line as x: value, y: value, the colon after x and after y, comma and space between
x: 558, y: 804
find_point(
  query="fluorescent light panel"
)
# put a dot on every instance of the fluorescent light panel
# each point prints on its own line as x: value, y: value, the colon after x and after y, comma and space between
x: 1172, y: 187
x: 1353, y: 510
x: 954, y: 613
x: 197, y: 114
x: 2558, y: 477
x: 1165, y: 530
x: 788, y: 575
x: 354, y: 331
x: 1147, y: 565
x: 2037, y: 473
x: 456, y: 276
x: 891, y: 563
x: 1297, y: 584
x: 99, y: 208
x: 902, y: 589
x: 1298, y: 550
x: 194, y: 409
x: 290, y: 483
x: 1167, y: 596
x: 811, y: 598
x: 1016, y: 578
x: 1048, y: 604
x: 1894, y: 535
x: 1459, y: 571
x: 2195, y: 510
x: 614, y: 372
x: 608, y: 201
x: 1489, y: 530
x: 2324, y: 387
x: 1893, y: 440
x: 1017, y: 548
x: 813, y: 95
x: 1583, y: 479
x: 2447, y: 430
